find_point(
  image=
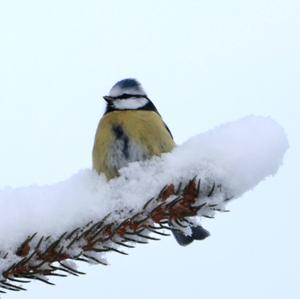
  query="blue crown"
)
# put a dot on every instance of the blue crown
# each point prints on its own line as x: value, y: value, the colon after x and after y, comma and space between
x: 127, y: 83
x: 129, y: 86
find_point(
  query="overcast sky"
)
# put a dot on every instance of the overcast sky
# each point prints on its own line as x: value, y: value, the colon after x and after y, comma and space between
x: 202, y: 63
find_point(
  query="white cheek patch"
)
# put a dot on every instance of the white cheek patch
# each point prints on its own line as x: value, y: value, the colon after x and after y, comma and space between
x: 131, y: 103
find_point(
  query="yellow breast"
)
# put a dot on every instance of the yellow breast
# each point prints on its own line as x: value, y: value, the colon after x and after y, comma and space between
x: 144, y: 129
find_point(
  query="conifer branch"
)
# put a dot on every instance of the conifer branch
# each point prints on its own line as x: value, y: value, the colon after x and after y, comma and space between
x: 40, y: 257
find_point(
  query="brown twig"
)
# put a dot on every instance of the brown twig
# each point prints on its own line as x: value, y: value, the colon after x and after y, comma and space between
x: 35, y: 257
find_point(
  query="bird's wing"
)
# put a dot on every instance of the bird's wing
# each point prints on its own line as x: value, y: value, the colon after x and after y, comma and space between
x: 168, y: 130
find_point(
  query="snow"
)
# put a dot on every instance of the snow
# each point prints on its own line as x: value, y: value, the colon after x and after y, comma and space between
x: 237, y: 155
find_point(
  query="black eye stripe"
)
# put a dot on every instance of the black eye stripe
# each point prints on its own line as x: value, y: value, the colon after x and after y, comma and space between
x: 149, y: 106
x: 127, y: 96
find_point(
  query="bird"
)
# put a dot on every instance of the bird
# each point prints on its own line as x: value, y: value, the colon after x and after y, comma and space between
x: 131, y: 129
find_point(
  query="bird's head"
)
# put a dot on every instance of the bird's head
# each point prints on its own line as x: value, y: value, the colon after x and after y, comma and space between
x: 127, y: 94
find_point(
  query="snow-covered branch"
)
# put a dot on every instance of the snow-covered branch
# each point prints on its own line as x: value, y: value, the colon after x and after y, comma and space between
x: 43, y: 230
x: 171, y: 208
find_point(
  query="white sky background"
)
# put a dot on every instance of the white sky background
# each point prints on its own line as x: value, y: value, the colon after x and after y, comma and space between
x: 202, y: 64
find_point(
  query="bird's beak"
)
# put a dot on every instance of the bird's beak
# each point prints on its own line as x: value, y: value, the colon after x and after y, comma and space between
x: 108, y: 99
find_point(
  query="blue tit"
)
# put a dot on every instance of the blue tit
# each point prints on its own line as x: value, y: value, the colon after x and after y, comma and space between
x: 131, y: 129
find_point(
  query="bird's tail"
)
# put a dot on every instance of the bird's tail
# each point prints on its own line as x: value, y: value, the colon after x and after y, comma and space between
x: 198, y: 233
